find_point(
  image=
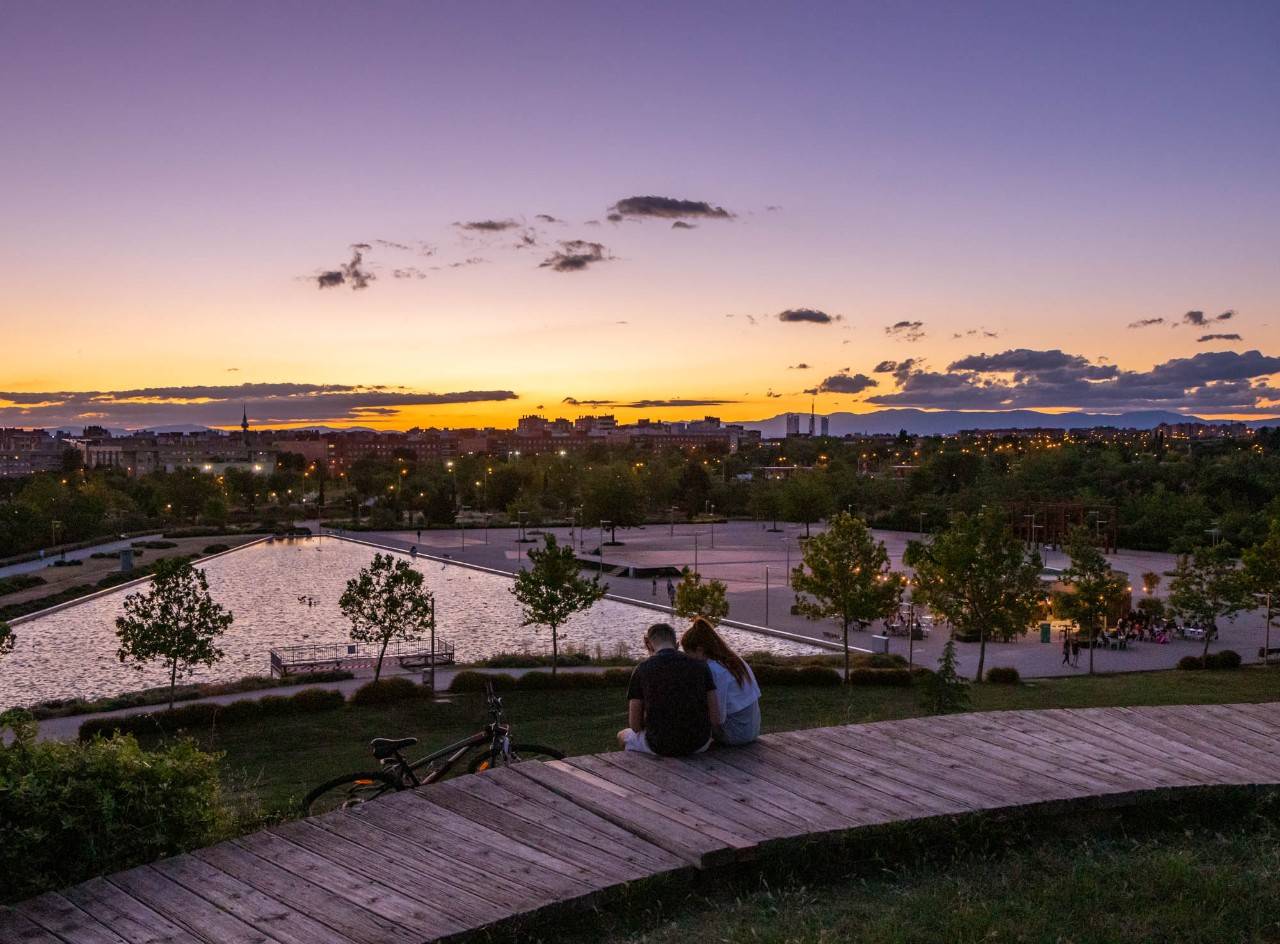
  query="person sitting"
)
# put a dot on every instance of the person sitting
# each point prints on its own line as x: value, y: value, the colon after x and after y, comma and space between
x: 671, y: 700
x: 737, y: 692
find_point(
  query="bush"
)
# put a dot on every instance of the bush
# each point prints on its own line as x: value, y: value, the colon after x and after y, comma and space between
x: 19, y: 582
x: 817, y: 675
x: 804, y: 675
x: 317, y: 699
x: 216, y: 548
x: 895, y: 677
x: 614, y: 677
x: 386, y: 691
x: 70, y: 811
x: 475, y: 682
x: 1226, y: 659
x: 237, y: 712
x: 154, y: 545
x: 1003, y: 675
x: 69, y: 562
x: 882, y: 660
x: 1191, y: 663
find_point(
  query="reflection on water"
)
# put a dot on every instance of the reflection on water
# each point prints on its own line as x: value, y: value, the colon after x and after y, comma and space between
x: 73, y: 652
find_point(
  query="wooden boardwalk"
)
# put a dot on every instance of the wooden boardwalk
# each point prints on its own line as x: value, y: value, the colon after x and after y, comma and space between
x: 472, y: 852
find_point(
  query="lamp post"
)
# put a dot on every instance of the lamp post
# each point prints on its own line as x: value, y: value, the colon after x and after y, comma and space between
x: 766, y: 594
x: 695, y: 552
x: 603, y: 524
x: 713, y: 527
x: 922, y: 524
x: 672, y: 528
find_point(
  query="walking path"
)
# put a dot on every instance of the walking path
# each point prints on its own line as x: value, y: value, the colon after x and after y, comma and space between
x: 479, y: 850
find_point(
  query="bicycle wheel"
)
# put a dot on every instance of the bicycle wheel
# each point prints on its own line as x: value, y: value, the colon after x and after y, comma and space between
x: 349, y: 790
x: 519, y: 752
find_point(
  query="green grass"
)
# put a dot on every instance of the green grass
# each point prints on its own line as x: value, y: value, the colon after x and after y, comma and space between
x: 1117, y: 879
x: 274, y: 762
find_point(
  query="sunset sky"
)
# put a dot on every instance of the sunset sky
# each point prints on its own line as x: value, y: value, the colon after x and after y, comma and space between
x: 400, y: 214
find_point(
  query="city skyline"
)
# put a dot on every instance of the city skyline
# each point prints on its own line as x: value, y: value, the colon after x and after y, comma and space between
x: 454, y: 217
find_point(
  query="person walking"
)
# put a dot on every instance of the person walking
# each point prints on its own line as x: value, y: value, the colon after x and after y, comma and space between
x: 1075, y: 653
x: 655, y: 586
x: 1066, y: 647
x: 671, y: 594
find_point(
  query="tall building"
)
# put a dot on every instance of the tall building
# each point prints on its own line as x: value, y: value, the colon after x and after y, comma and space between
x: 793, y: 424
x: 826, y: 426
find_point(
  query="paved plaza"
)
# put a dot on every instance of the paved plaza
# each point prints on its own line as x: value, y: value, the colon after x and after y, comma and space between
x: 747, y: 555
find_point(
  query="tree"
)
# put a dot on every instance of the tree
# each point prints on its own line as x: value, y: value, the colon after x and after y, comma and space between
x: 7, y: 639
x: 845, y: 576
x: 388, y: 601
x: 1262, y: 573
x: 980, y: 577
x: 1151, y: 581
x: 613, y: 494
x: 1095, y: 587
x: 806, y: 499
x: 765, y: 501
x: 1207, y: 584
x: 176, y: 621
x: 945, y: 691
x: 696, y: 598
x: 553, y: 589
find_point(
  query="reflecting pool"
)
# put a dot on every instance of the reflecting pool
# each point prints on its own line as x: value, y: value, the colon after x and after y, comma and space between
x: 286, y: 593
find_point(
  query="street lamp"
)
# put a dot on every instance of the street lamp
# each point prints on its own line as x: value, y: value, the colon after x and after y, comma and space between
x: 603, y: 524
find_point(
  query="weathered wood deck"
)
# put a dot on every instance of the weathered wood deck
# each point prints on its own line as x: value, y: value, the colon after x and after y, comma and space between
x: 471, y: 852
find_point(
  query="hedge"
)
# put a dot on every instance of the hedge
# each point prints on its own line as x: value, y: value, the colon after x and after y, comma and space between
x: 1224, y: 660
x: 540, y: 681
x: 1003, y: 675
x: 387, y: 691
x: 206, y: 714
x: 894, y: 677
x: 20, y: 582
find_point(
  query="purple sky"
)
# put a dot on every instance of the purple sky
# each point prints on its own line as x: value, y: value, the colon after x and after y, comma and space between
x: 179, y: 174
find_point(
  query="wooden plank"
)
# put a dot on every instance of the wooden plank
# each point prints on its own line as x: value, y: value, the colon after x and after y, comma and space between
x: 1262, y: 724
x: 66, y: 920
x: 715, y: 798
x: 420, y: 883
x: 445, y: 861
x: 190, y: 912
x: 334, y: 906
x: 131, y: 919
x: 1116, y: 724
x: 528, y: 798
x: 405, y: 915
x: 258, y: 909
x: 1116, y: 780
x: 1191, y: 730
x: 669, y: 833
x: 818, y: 814
x: 565, y: 846
x: 1227, y: 723
x: 18, y: 929
x: 1173, y: 727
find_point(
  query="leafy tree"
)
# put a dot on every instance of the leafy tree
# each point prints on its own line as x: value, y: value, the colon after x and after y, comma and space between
x: 553, y: 589
x: 696, y: 598
x: 388, y: 601
x: 1262, y: 569
x: 845, y: 576
x: 1206, y: 585
x: 1151, y: 581
x: 1095, y: 587
x: 7, y: 639
x: 806, y: 499
x: 980, y: 577
x: 176, y: 621
x: 765, y: 501
x: 613, y: 494
x: 694, y: 487
x: 945, y: 691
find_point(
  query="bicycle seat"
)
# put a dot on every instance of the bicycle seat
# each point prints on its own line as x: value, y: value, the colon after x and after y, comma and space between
x: 385, y: 747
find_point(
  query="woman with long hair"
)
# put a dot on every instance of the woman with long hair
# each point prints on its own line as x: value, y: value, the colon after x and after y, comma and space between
x: 737, y: 692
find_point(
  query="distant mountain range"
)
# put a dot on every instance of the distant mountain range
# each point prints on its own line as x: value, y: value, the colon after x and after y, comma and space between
x: 948, y: 422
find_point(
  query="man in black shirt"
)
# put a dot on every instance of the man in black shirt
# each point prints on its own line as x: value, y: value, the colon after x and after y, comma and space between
x: 671, y: 701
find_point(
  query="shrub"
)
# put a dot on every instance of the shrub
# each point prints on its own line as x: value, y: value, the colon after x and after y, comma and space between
x: 804, y: 675
x: 200, y: 714
x: 386, y: 691
x: 1003, y: 675
x: 317, y: 699
x: 1191, y: 663
x: 475, y: 682
x: 236, y: 712
x: 71, y: 810
x: 883, y: 660
x: 614, y: 677
x: 19, y: 582
x: 816, y: 675
x: 1226, y: 659
x: 272, y: 706
x: 896, y: 677
x: 216, y: 548
x: 154, y: 545
x: 69, y: 562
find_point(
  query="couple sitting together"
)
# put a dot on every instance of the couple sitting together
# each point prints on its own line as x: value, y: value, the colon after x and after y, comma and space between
x: 679, y: 702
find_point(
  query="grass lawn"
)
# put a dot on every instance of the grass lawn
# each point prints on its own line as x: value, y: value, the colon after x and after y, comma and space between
x: 273, y: 763
x: 1122, y: 880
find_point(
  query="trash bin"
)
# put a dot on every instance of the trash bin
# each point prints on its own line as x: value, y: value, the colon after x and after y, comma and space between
x: 1046, y: 632
x: 879, y: 643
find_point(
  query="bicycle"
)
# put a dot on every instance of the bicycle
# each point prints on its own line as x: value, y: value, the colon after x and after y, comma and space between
x: 488, y: 748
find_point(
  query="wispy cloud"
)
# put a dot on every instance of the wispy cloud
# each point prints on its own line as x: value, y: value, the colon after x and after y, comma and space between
x: 906, y: 330
x: 574, y: 255
x: 666, y: 208
x: 806, y: 316
x: 1218, y: 337
x: 487, y: 226
x: 1146, y: 322
x: 1199, y: 319
x: 351, y: 273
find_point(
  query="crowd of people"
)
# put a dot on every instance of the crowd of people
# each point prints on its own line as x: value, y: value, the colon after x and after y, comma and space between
x: 689, y: 694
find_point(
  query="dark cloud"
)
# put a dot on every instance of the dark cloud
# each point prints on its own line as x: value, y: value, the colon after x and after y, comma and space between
x: 806, y: 315
x: 574, y: 255
x: 772, y: 208
x: 1199, y: 319
x: 528, y: 239
x: 1146, y: 322
x: 651, y: 404
x: 681, y: 224
x: 487, y: 226
x: 772, y: 395
x: 1218, y: 337
x: 666, y: 208
x: 574, y: 401
x: 885, y: 367
x: 351, y: 273
x: 469, y: 261
x: 409, y: 272
x: 906, y: 330
x: 392, y: 244
x: 1211, y: 382
x: 547, y: 218
x: 844, y: 383
x: 801, y: 366
x: 220, y: 405
x: 975, y: 332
